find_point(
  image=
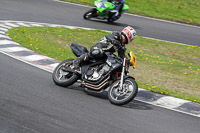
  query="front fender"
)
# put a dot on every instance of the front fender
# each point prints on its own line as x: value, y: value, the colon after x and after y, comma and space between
x: 127, y: 76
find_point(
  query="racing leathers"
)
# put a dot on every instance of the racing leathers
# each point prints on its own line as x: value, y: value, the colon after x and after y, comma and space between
x: 119, y: 6
x: 110, y: 43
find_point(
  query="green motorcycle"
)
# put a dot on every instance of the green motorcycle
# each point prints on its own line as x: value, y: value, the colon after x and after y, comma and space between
x: 104, y: 10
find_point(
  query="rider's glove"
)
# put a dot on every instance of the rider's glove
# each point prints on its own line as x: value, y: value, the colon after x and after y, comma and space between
x: 116, y: 35
x: 116, y: 43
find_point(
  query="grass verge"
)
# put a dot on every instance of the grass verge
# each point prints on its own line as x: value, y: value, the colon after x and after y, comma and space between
x: 162, y: 67
x: 184, y: 11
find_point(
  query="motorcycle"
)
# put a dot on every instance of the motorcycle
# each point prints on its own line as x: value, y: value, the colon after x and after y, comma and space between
x: 99, y: 74
x: 104, y: 10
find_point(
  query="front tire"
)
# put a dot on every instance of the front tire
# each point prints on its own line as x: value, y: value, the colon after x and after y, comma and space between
x: 117, y: 97
x: 63, y: 78
x: 90, y: 14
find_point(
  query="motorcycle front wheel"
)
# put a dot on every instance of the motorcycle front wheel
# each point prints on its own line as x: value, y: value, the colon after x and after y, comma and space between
x: 90, y: 14
x: 63, y: 78
x: 124, y: 96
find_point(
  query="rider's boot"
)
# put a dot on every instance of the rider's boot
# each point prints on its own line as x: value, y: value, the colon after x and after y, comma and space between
x: 79, y: 60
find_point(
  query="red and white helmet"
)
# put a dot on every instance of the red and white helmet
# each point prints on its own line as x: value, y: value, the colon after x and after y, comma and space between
x: 129, y: 33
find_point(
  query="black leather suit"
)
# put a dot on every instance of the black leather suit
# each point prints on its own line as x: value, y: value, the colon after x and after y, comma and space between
x: 110, y: 43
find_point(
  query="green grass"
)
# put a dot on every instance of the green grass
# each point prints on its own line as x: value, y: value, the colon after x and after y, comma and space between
x: 185, y: 11
x: 163, y: 67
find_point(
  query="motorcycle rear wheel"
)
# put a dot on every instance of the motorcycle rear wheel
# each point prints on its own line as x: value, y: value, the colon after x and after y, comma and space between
x: 118, y: 97
x: 63, y: 78
x: 110, y: 20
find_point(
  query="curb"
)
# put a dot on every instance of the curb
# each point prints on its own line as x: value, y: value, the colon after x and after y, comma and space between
x: 15, y: 50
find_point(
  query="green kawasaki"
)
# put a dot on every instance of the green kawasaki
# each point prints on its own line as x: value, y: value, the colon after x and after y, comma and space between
x: 104, y: 10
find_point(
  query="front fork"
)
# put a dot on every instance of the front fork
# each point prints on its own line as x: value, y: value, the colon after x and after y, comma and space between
x: 122, y: 75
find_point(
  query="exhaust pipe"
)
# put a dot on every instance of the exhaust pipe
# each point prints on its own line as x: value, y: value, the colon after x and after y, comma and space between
x: 95, y: 87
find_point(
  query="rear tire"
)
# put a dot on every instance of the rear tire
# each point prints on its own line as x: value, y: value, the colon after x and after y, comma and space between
x: 120, y: 98
x: 63, y: 78
x: 111, y: 19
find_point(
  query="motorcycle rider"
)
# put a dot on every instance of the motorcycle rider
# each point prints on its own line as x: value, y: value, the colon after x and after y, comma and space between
x: 118, y: 8
x: 112, y: 42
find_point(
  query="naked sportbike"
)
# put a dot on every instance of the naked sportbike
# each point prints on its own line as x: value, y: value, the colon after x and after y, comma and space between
x: 104, y: 10
x: 97, y: 75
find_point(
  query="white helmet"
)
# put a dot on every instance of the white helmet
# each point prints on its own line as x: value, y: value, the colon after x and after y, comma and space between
x: 129, y: 33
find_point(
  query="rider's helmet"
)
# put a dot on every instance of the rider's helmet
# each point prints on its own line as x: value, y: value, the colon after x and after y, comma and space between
x: 129, y: 33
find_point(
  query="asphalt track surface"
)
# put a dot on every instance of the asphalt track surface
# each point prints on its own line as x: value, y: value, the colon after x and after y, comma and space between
x: 31, y: 103
x: 50, y: 11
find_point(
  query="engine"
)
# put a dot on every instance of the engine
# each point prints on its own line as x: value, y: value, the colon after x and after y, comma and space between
x: 95, y: 73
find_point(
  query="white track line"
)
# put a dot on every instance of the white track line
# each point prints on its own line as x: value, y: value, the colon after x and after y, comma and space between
x: 12, y: 25
x: 167, y: 108
x: 4, y: 26
x: 3, y: 42
x: 43, y: 68
x: 15, y: 49
x: 34, y: 57
x: 36, y: 25
x: 4, y: 36
x: 174, y: 102
x: 71, y: 3
x: 165, y: 41
x: 2, y: 32
x: 22, y: 24
x: 3, y: 29
x: 54, y: 65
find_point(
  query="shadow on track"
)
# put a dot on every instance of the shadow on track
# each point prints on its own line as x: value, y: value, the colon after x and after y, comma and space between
x: 137, y: 105
x: 104, y: 95
x: 113, y: 23
x: 132, y: 105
